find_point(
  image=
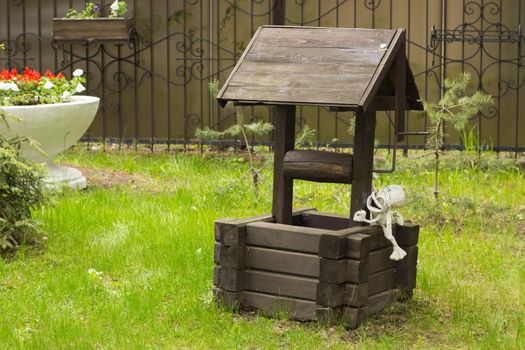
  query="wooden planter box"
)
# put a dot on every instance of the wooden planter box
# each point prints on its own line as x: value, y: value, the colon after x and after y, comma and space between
x: 315, y: 269
x: 88, y: 31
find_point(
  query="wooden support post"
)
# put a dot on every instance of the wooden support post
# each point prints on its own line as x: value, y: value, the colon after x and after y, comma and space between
x: 363, y: 161
x: 398, y: 75
x: 284, y: 141
x: 279, y: 12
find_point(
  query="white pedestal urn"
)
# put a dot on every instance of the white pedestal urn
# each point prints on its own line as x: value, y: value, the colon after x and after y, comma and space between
x: 56, y: 127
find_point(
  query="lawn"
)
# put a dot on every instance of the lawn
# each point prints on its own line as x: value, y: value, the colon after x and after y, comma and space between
x: 128, y: 263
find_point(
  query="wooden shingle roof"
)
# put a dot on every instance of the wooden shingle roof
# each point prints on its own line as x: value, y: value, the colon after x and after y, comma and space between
x: 340, y: 68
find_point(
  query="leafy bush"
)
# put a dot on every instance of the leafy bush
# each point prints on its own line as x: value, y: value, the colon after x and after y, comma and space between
x: 21, y: 190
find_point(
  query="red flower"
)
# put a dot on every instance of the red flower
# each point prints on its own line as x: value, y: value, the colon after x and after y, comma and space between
x: 31, y: 75
x: 49, y: 74
x: 60, y: 75
x: 5, y: 75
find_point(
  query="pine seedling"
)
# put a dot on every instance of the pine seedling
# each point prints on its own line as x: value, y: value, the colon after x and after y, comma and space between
x: 455, y: 108
x: 240, y: 129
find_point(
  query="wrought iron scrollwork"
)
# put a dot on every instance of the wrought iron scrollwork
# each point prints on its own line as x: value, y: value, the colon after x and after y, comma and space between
x: 482, y: 30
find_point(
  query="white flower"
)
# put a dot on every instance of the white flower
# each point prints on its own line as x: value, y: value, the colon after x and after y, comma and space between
x: 78, y: 73
x: 8, y: 86
x: 80, y: 88
x: 93, y: 273
x: 114, y: 6
x: 66, y: 95
x: 198, y: 252
x: 48, y: 85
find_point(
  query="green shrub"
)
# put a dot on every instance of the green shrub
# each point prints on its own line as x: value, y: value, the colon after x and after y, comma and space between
x: 21, y: 190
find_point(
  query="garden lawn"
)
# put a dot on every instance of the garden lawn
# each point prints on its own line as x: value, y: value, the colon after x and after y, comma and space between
x: 130, y: 265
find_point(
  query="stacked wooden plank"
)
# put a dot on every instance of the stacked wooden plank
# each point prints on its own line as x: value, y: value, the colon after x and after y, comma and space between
x: 317, y: 268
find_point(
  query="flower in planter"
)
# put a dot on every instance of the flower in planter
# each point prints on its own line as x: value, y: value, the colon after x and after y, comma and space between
x: 78, y: 73
x: 118, y: 9
x: 48, y: 85
x: 8, y: 86
x: 30, y: 88
x: 91, y: 11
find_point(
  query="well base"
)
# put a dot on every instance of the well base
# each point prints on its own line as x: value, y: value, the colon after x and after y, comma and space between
x: 315, y: 269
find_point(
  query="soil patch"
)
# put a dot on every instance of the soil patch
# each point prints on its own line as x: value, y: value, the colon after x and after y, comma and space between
x: 108, y: 178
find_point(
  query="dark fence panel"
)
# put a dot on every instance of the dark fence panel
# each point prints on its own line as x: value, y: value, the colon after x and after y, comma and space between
x: 155, y: 89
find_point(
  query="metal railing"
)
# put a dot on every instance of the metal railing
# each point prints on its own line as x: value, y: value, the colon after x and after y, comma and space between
x: 155, y: 89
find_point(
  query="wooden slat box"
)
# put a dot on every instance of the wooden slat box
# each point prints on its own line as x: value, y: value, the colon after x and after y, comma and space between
x: 315, y: 269
x: 92, y: 30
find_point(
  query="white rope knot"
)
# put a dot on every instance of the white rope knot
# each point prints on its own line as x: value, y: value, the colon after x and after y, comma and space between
x: 380, y: 204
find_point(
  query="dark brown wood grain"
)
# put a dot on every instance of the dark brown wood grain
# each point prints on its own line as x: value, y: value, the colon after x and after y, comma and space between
x: 334, y: 67
x: 335, y: 295
x: 228, y: 228
x: 333, y: 245
x: 282, y: 186
x: 217, y: 253
x: 380, y: 260
x: 410, y: 260
x: 232, y: 300
x: 379, y: 301
x: 220, y: 99
x: 318, y: 166
x: 231, y: 280
x: 398, y: 74
x: 272, y: 95
x: 216, y: 269
x: 270, y: 304
x: 363, y: 161
x: 280, y: 284
x: 281, y: 261
x: 406, y: 279
x: 382, y: 71
x: 315, y: 265
x: 319, y: 37
x: 232, y: 256
x: 326, y: 221
x: 381, y: 281
x: 407, y: 235
x: 284, y: 237
x: 349, y: 243
x: 292, y: 69
x: 343, y: 270
x: 352, y: 317
x: 327, y: 315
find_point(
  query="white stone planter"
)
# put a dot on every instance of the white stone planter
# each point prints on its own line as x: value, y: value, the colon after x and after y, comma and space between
x: 56, y: 127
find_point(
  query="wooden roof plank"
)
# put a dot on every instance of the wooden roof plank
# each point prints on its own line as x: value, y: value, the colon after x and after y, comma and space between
x: 239, y: 63
x: 340, y: 68
x: 382, y: 69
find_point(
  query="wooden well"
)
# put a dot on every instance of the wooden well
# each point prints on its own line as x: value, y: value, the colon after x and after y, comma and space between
x: 313, y: 265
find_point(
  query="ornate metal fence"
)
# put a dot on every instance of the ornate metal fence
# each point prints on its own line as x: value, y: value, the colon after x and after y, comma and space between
x: 155, y: 88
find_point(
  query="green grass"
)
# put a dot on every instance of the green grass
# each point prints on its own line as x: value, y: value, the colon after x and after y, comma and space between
x: 153, y: 244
